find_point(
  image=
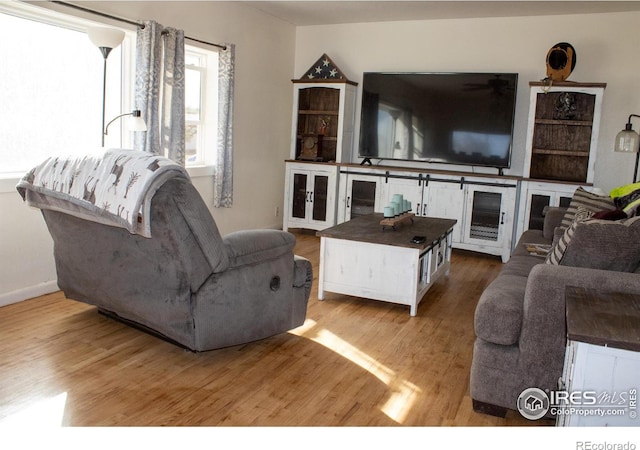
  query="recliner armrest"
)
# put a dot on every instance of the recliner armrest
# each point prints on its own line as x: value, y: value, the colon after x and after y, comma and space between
x: 255, y: 246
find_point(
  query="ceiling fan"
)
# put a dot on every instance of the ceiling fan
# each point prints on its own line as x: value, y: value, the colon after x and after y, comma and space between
x: 498, y: 85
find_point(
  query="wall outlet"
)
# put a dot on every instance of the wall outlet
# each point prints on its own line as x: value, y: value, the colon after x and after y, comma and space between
x: 277, y: 211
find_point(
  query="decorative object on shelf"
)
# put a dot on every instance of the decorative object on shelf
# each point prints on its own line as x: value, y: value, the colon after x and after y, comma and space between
x: 397, y: 212
x: 311, y: 147
x: 565, y: 106
x: 106, y: 39
x: 324, y: 125
x: 324, y: 69
x: 628, y: 141
x: 561, y: 60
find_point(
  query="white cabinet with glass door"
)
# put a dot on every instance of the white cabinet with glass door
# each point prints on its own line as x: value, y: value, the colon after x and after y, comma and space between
x: 535, y: 196
x: 310, y: 196
x: 360, y: 194
x: 489, y: 219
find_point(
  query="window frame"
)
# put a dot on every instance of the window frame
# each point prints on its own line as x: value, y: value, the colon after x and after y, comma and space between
x: 208, y: 123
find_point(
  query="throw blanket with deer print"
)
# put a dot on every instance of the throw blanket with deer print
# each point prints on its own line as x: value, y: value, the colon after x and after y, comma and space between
x: 114, y: 188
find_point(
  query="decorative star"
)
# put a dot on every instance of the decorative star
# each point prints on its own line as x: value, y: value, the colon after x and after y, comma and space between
x: 326, y: 62
x: 318, y: 70
x: 333, y: 73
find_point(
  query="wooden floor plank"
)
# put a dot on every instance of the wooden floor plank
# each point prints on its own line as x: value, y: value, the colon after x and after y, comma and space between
x: 355, y: 362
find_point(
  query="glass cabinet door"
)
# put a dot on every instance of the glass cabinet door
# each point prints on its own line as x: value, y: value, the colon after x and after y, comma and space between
x: 486, y: 216
x: 536, y: 214
x: 320, y: 197
x: 300, y: 196
x: 363, y: 198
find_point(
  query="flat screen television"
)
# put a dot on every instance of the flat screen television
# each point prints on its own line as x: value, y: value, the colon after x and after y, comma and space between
x: 448, y: 118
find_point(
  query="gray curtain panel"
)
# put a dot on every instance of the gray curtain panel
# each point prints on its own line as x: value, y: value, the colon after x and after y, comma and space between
x: 160, y: 75
x: 223, y: 180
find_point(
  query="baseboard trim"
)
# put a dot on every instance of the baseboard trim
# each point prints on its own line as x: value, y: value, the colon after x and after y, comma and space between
x: 28, y: 292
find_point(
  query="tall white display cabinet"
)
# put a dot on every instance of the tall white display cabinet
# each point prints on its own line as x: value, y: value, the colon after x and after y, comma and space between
x: 321, y: 138
x: 561, y: 146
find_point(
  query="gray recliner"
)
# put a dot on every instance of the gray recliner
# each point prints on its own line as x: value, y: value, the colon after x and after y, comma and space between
x: 186, y: 283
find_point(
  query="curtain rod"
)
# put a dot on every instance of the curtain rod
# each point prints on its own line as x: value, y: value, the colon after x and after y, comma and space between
x: 130, y: 22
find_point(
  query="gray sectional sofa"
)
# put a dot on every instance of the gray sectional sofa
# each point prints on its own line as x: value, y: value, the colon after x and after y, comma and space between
x: 520, y: 318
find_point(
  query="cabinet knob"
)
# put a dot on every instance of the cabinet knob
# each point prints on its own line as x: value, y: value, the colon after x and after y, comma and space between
x: 502, y: 220
x: 424, y: 209
x: 418, y: 209
x: 348, y: 202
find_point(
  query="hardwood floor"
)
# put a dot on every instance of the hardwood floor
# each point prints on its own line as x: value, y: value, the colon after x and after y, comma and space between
x: 355, y: 362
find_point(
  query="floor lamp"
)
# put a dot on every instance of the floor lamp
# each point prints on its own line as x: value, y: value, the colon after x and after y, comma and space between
x: 106, y: 39
x: 629, y: 141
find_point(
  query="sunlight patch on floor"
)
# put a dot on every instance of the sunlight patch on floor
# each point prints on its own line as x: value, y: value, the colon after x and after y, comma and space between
x: 403, y: 392
x: 46, y: 413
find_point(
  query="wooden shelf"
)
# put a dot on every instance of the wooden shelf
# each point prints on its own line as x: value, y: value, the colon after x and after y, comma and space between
x: 573, y: 123
x: 317, y: 112
x: 563, y: 127
x: 546, y: 151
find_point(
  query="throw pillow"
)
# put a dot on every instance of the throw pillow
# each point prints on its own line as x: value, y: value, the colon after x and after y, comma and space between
x: 562, y: 236
x: 559, y: 248
x: 627, y: 198
x: 610, y: 214
x: 600, y: 244
x: 589, y: 200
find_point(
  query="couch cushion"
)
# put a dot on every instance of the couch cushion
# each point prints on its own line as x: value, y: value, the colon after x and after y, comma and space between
x: 498, y: 316
x: 588, y: 200
x: 600, y: 244
x: 552, y: 219
x: 521, y: 265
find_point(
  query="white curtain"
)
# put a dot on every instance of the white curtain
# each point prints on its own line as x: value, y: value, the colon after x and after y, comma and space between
x: 160, y: 90
x: 223, y: 180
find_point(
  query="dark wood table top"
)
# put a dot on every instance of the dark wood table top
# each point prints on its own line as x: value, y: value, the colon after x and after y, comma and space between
x: 368, y: 229
x: 607, y: 319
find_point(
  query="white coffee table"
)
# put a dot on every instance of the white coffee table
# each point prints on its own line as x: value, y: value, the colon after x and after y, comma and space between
x: 359, y: 258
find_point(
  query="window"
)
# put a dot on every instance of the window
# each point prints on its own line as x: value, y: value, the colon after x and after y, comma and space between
x: 201, y: 100
x: 51, y: 92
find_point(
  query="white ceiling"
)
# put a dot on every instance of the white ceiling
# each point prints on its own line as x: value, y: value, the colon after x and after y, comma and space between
x: 303, y: 13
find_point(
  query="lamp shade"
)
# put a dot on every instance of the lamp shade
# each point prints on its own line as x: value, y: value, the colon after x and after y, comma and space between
x: 105, y: 37
x: 136, y: 123
x: 627, y: 140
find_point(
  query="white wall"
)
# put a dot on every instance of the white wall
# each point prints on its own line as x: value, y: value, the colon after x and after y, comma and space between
x: 262, y: 120
x: 606, y: 47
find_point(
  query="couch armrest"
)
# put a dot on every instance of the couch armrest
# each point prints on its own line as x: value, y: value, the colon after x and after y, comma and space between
x: 552, y: 218
x: 255, y: 246
x: 543, y: 335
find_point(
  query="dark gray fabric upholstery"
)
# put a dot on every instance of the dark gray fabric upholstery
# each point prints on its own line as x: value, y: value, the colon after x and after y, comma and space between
x: 186, y: 282
x: 604, y: 244
x: 552, y: 219
x: 520, y: 321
